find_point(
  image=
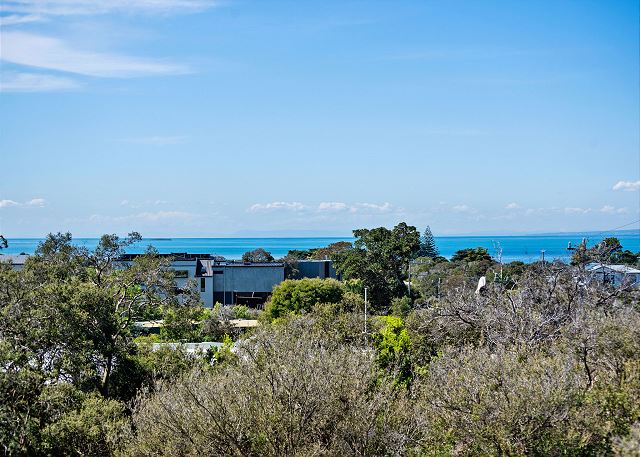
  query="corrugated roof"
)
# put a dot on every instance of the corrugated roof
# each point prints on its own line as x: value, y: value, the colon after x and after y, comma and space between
x: 624, y: 269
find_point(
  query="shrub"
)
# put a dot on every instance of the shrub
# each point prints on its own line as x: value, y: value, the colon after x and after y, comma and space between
x: 299, y: 296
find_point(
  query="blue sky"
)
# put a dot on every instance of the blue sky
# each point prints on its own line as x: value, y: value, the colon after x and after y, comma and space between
x: 203, y: 118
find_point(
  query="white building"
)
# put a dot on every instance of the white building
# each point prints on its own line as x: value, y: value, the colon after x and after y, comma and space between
x: 615, y: 275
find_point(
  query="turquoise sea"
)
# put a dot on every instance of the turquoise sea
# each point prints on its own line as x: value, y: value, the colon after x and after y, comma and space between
x: 523, y: 248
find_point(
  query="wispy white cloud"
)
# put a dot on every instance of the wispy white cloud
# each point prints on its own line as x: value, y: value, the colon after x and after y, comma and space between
x: 40, y: 202
x: 15, y: 19
x: 333, y: 206
x: 373, y: 207
x: 44, y: 8
x: 35, y: 82
x: 8, y: 203
x: 512, y: 205
x: 628, y: 186
x: 54, y: 54
x: 157, y: 140
x: 34, y: 202
x: 575, y: 210
x: 277, y: 206
x: 608, y: 209
x: 324, y: 207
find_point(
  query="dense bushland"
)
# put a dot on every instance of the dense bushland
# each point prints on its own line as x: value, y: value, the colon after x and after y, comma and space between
x: 542, y: 361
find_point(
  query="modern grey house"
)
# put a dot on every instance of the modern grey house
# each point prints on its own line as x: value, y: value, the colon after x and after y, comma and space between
x: 229, y: 282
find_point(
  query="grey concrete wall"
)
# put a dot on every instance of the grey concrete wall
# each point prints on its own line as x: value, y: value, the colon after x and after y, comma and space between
x: 247, y: 278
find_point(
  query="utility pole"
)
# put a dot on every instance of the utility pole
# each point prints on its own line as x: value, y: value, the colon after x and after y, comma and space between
x: 365, y: 310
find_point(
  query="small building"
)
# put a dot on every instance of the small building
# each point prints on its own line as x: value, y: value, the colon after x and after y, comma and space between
x: 322, y: 269
x: 16, y: 260
x: 616, y: 275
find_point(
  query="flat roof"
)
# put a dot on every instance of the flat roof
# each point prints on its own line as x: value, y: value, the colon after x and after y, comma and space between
x: 15, y: 259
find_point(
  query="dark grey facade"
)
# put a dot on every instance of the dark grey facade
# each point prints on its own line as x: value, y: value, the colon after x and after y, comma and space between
x: 322, y: 269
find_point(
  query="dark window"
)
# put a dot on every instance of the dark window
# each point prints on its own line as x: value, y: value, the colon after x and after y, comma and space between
x: 217, y: 272
x: 203, y: 285
x: 181, y: 273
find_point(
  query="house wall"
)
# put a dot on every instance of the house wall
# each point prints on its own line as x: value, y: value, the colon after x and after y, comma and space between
x: 316, y: 269
x: 245, y: 280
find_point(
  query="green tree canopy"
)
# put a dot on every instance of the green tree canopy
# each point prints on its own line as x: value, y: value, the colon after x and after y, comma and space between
x: 379, y: 259
x: 471, y: 255
x: 428, y: 246
x: 257, y: 255
x: 301, y: 295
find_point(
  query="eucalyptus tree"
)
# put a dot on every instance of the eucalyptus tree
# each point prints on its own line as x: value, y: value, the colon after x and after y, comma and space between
x: 65, y: 321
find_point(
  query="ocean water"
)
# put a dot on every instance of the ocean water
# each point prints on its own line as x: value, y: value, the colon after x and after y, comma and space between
x: 523, y: 248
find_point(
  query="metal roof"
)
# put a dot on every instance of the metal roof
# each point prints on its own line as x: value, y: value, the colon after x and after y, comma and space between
x: 624, y: 269
x: 15, y: 259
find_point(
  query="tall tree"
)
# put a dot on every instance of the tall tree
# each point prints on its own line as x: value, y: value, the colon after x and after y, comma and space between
x: 428, y: 246
x: 379, y: 259
x: 257, y: 255
x: 3, y: 242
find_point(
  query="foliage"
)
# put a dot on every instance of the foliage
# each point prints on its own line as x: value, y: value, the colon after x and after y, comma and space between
x: 609, y: 250
x: 471, y: 255
x: 428, y: 246
x: 258, y: 256
x: 393, y: 348
x: 379, y: 259
x: 400, y: 307
x: 240, y: 312
x: 3, y: 242
x: 542, y: 362
x: 184, y: 323
x: 65, y: 321
x: 327, y: 252
x: 292, y: 391
x: 93, y: 429
x: 298, y: 296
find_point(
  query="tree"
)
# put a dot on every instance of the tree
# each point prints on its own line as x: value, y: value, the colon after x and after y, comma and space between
x: 298, y: 296
x: 428, y: 246
x: 257, y: 255
x: 471, y: 255
x: 3, y: 242
x: 330, y: 251
x: 65, y: 333
x: 380, y: 259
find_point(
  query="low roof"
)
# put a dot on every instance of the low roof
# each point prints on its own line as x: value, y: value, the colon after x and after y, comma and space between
x: 15, y: 259
x: 625, y: 269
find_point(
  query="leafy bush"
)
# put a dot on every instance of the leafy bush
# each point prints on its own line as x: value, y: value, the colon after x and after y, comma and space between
x: 298, y: 296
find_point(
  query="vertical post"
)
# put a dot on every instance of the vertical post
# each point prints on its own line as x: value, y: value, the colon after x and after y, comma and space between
x: 365, y: 310
x: 409, y: 278
x: 542, y: 255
